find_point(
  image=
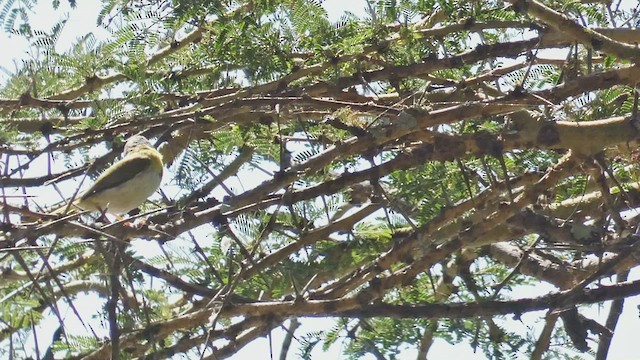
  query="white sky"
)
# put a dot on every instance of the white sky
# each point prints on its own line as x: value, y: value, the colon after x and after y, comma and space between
x: 82, y: 20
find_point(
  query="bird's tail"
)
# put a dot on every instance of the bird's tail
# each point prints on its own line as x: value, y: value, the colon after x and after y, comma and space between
x: 65, y: 208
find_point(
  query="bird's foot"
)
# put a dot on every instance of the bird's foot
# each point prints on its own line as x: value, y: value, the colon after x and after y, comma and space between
x: 137, y: 224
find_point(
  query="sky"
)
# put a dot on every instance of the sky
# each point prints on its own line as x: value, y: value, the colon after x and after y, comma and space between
x: 82, y: 20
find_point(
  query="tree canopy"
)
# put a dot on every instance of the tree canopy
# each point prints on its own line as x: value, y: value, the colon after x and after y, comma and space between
x: 405, y: 171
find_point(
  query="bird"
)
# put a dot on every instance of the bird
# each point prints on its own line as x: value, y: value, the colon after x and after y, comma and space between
x: 126, y: 184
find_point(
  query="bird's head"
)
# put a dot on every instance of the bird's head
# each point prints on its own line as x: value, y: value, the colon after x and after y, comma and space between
x: 134, y: 142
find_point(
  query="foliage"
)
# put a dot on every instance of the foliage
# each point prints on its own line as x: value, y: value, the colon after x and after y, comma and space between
x: 406, y: 171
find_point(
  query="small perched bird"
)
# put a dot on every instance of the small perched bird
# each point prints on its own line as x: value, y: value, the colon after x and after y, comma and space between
x: 126, y: 184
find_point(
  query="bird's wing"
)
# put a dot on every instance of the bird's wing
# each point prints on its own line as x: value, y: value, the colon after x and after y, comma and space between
x: 131, y: 165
